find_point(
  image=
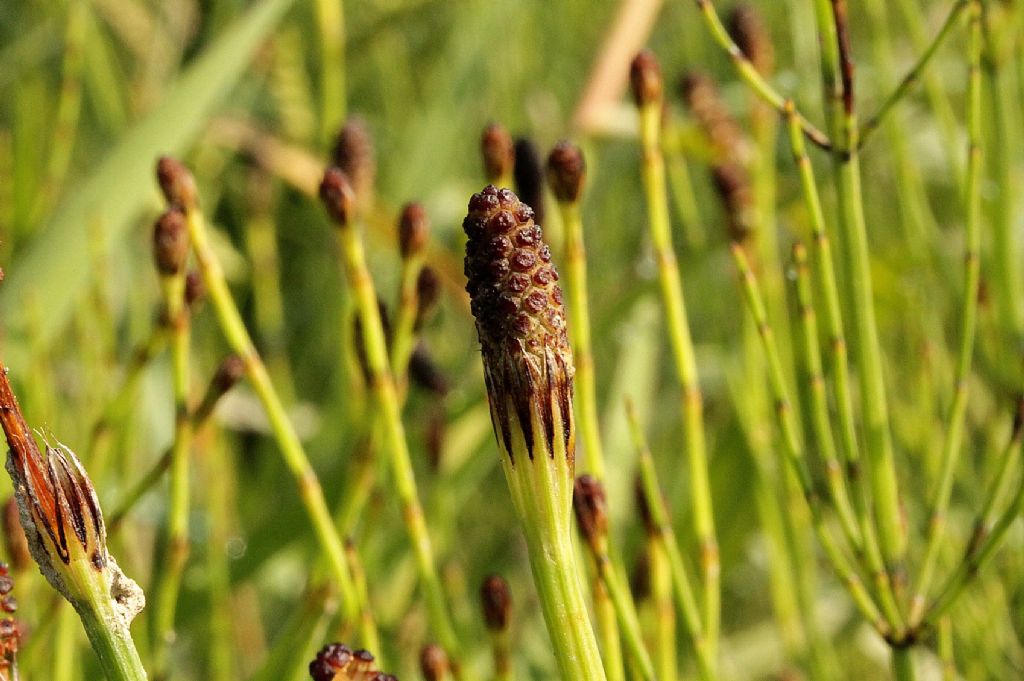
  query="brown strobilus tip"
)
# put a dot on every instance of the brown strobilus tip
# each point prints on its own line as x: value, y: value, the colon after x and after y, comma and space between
x: 498, y: 151
x: 170, y: 242
x: 434, y: 663
x: 428, y: 293
x: 748, y: 29
x: 354, y: 154
x: 645, y: 79
x: 10, y: 632
x: 413, y: 229
x: 195, y: 289
x: 566, y: 172
x: 591, y: 508
x: 529, y: 176
x: 733, y: 186
x: 337, y: 196
x: 496, y: 598
x: 338, y: 662
x: 644, y: 510
x: 520, y: 320
x: 177, y: 183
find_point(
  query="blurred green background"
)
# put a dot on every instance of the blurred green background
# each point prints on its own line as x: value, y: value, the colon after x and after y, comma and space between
x: 93, y: 91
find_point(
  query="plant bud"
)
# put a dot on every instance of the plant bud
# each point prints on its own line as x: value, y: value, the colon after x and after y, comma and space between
x: 529, y: 177
x: 413, y: 229
x: 428, y: 292
x: 434, y: 663
x: 177, y: 184
x: 170, y: 242
x: 645, y: 79
x: 61, y: 516
x: 733, y: 186
x: 337, y: 196
x: 591, y: 507
x: 702, y: 98
x: 434, y: 439
x: 566, y: 172
x: 338, y: 662
x: 496, y: 599
x: 520, y: 320
x: 424, y: 372
x: 195, y: 289
x: 498, y: 151
x: 14, y: 537
x: 747, y: 28
x: 354, y: 154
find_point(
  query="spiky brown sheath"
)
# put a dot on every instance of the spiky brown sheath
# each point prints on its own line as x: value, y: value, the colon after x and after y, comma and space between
x: 520, y: 320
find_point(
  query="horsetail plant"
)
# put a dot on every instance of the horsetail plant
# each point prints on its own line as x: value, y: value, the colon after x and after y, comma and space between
x: 648, y: 95
x: 338, y: 199
x: 180, y: 191
x: 67, y: 538
x: 338, y: 662
x: 528, y: 372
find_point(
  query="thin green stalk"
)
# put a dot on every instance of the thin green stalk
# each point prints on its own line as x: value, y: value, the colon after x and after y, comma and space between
x: 502, y: 655
x: 294, y: 454
x: 367, y: 622
x: 752, y: 77
x: 585, y: 381
x: 946, y: 655
x: 625, y: 611
x: 989, y: 529
x: 330, y: 15
x: 665, y: 661
x: 686, y: 366
x: 903, y: 668
x: 65, y: 639
x: 794, y: 453
x: 837, y: 69
x: 952, y: 444
x: 169, y: 574
x: 1005, y: 243
x: 681, y: 185
x: 219, y: 495
x: 686, y: 599
x: 69, y: 104
x: 607, y: 628
x: 382, y: 386
x: 825, y: 283
x: 820, y: 424
x: 403, y: 341
x: 112, y: 643
x: 915, y: 72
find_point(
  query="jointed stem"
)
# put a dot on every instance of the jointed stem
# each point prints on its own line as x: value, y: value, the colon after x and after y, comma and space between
x: 294, y: 454
x: 952, y: 444
x: 686, y: 366
x: 382, y: 385
x: 914, y: 75
x: 750, y: 75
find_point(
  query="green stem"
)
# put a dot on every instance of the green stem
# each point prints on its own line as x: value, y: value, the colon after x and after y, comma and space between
x: 751, y: 76
x: 169, y: 574
x: 903, y: 665
x: 686, y: 367
x: 625, y: 611
x: 665, y: 616
x: 112, y: 642
x: 607, y: 630
x: 686, y: 599
x: 382, y: 386
x: 915, y: 73
x: 330, y: 15
x: 954, y: 434
x: 294, y: 454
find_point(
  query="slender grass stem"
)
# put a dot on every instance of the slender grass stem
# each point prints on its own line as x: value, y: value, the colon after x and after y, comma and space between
x: 837, y: 69
x: 330, y: 15
x: 681, y: 185
x: 367, y: 622
x: 914, y: 74
x: 607, y: 629
x: 989, y: 528
x: 794, y: 453
x: 404, y: 338
x: 112, y: 643
x: 625, y: 612
x: 665, y: 662
x: 382, y: 386
x: 903, y: 668
x: 952, y: 444
x: 685, y: 595
x: 946, y: 655
x: 825, y: 282
x: 169, y: 575
x: 294, y: 454
x: 820, y: 423
x: 686, y: 365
